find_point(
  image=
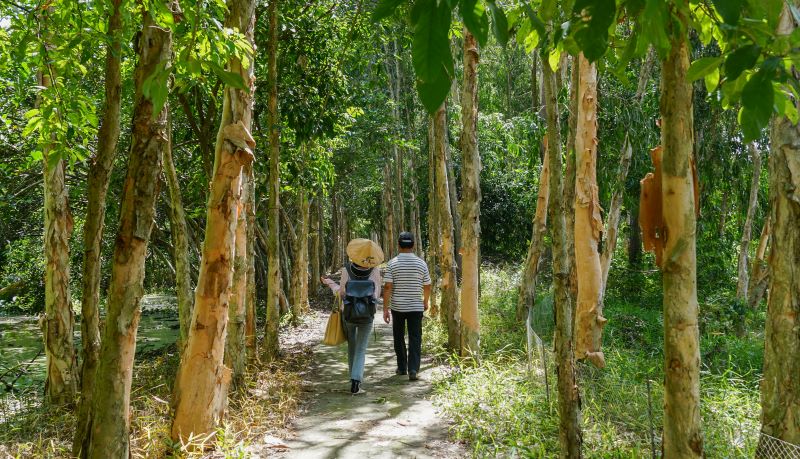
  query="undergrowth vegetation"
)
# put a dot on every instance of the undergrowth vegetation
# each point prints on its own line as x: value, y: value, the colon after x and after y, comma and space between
x: 264, y: 403
x: 504, y: 407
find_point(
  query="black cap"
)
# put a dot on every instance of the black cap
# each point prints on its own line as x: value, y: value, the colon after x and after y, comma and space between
x: 406, y: 240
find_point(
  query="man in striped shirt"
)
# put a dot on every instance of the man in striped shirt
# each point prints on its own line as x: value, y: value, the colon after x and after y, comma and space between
x: 406, y: 290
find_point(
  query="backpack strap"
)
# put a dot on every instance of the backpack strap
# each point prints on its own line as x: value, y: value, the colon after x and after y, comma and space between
x: 352, y: 274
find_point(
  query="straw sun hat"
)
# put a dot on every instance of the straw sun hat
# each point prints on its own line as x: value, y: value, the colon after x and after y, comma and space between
x: 364, y: 252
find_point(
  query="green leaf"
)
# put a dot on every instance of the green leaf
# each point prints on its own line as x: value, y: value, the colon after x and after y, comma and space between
x: 591, y: 32
x: 536, y: 22
x: 741, y: 59
x: 499, y: 23
x: 548, y: 10
x: 430, y: 53
x: 653, y: 21
x: 385, y: 8
x: 758, y: 96
x: 730, y: 10
x: 475, y: 18
x: 712, y: 80
x: 702, y: 67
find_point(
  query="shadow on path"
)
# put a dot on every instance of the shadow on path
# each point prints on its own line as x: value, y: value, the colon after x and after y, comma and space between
x: 393, y: 419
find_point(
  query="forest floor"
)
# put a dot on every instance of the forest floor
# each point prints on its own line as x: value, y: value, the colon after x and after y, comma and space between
x: 395, y: 418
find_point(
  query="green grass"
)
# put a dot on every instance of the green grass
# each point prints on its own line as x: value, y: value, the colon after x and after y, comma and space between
x: 501, y: 407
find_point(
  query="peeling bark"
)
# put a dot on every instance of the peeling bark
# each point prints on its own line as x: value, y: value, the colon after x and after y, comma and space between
x: 759, y: 278
x: 780, y: 387
x: 570, y: 436
x: 589, y: 320
x: 109, y: 420
x: 250, y: 301
x: 201, y: 386
x: 433, y: 222
x: 58, y: 321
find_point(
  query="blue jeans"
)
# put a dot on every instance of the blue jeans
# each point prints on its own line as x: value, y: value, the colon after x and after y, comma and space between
x: 357, y: 340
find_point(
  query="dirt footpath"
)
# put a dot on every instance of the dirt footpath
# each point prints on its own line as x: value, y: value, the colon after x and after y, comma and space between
x: 395, y: 418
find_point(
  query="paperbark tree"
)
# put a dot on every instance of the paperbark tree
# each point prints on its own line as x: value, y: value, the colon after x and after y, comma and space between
x: 570, y: 437
x: 108, y: 424
x: 61, y: 383
x: 744, y: 246
x: 759, y: 273
x: 682, y: 435
x: 270, y: 348
x: 201, y: 386
x: 614, y: 213
x: 447, y: 262
x: 780, y: 387
x: 589, y: 320
x: 97, y: 188
x: 527, y: 285
x: 180, y: 245
x: 470, y: 203
x: 235, y: 353
x: 298, y: 239
x: 316, y: 243
x: 433, y: 222
x: 250, y: 302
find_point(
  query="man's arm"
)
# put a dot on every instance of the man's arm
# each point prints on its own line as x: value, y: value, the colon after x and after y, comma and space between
x: 426, y: 295
x: 387, y: 298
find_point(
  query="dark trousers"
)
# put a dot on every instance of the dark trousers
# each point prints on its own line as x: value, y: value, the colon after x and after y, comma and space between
x: 407, y: 360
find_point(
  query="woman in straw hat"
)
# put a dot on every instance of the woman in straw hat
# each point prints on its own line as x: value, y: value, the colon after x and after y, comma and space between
x: 364, y: 256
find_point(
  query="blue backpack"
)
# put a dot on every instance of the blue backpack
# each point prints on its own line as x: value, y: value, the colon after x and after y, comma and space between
x: 359, y: 302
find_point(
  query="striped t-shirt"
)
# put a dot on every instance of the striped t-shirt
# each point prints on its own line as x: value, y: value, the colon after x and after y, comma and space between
x: 407, y: 273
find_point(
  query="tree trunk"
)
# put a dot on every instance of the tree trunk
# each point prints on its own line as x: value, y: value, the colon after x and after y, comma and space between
x: 612, y: 225
x: 270, y: 348
x: 759, y: 277
x: 527, y: 285
x: 61, y: 383
x: 570, y: 437
x: 471, y: 202
x: 780, y: 387
x: 451, y: 187
x: 299, y: 240
x: 634, y: 239
x: 589, y: 320
x: 316, y: 243
x: 201, y: 386
x: 390, y: 237
x: 97, y: 189
x: 235, y: 353
x: 570, y: 178
x: 250, y: 301
x: 644, y: 75
x: 109, y: 420
x: 180, y: 244
x: 744, y: 246
x: 682, y: 434
x: 433, y: 221
x: 449, y: 305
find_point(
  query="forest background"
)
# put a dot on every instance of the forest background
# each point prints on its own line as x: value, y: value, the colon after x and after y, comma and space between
x: 357, y: 158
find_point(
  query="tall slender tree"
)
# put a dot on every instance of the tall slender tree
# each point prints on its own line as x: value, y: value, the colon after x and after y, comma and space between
x: 570, y: 437
x: 780, y: 387
x: 108, y: 424
x: 97, y: 188
x: 447, y: 262
x: 201, y: 386
x: 58, y: 322
x: 682, y: 434
x: 589, y: 320
x: 470, y: 201
x: 270, y: 348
